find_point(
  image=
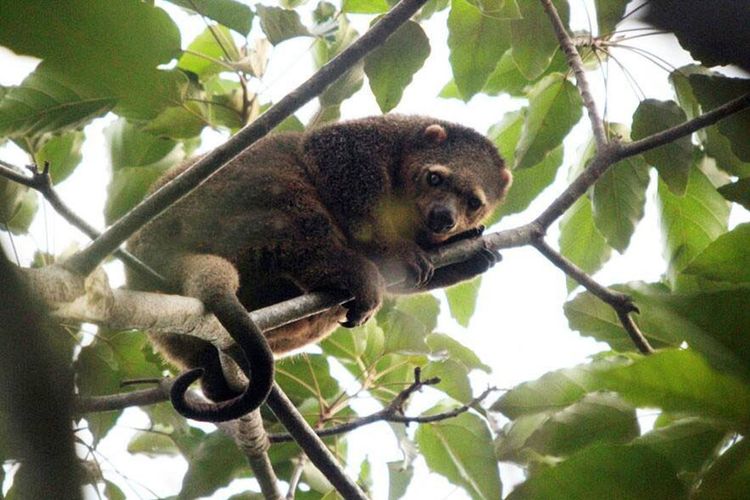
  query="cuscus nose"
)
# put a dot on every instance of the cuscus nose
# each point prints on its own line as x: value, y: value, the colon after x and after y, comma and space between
x: 440, y: 220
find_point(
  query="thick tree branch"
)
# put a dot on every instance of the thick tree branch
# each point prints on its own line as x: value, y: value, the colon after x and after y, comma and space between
x: 36, y: 390
x: 86, y: 260
x: 576, y: 64
x: 621, y: 303
x: 251, y: 437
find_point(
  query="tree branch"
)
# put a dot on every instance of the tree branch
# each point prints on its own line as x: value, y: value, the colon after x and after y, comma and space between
x: 684, y: 129
x: 114, y: 402
x: 613, y: 152
x: 42, y: 182
x: 575, y: 63
x: 86, y: 260
x: 389, y: 414
x: 315, y: 449
x: 621, y: 303
x: 249, y: 434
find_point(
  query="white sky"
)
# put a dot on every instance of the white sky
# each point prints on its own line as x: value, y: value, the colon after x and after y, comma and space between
x: 519, y: 328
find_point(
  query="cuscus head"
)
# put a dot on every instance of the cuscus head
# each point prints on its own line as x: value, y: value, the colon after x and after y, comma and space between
x: 455, y: 177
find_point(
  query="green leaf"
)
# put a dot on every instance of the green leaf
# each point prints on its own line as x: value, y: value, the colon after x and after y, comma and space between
x: 307, y: 376
x: 552, y: 391
x: 104, y: 364
x: 597, y: 417
x: 112, y: 491
x: 462, y: 300
x: 705, y: 321
x: 580, y: 240
x: 460, y: 449
x: 454, y: 378
x: 728, y: 477
x: 390, y: 67
x: 554, y: 107
x: 63, y: 152
x: 393, y: 372
x: 230, y: 13
x: 680, y: 80
x: 152, y: 444
x: 443, y: 346
x: 690, y: 222
x: 365, y: 6
x: 507, y: 132
x: 738, y: 192
x: 712, y: 92
x: 594, y: 318
x: 533, y: 37
x: 346, y: 85
x: 528, y: 183
x: 673, y: 160
x: 718, y: 147
x: 618, y: 199
x: 498, y: 9
x: 280, y: 24
x: 179, y: 122
x: 608, y: 14
x: 726, y: 259
x: 407, y: 324
x: 43, y: 104
x: 399, y: 477
x: 681, y: 381
x: 100, y: 52
x: 477, y: 43
x: 605, y: 471
x: 204, y: 51
x: 687, y: 443
x: 18, y: 205
x: 214, y: 463
x: 138, y: 159
x: 510, y: 443
x: 714, y: 318
x: 506, y: 78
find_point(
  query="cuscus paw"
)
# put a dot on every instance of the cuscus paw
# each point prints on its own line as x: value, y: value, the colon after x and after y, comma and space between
x: 418, y: 266
x: 367, y: 286
x: 474, y: 232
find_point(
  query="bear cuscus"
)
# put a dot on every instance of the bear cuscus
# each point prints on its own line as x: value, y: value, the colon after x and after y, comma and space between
x: 344, y: 206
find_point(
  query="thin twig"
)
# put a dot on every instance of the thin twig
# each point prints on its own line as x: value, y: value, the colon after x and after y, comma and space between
x: 41, y: 181
x: 684, y: 129
x: 299, y: 467
x: 621, y: 303
x: 114, y: 402
x: 394, y: 412
x: 575, y: 63
x: 614, y: 152
x: 87, y: 259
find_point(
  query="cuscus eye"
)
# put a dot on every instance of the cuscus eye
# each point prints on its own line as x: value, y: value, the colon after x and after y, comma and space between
x: 474, y: 203
x: 434, y: 179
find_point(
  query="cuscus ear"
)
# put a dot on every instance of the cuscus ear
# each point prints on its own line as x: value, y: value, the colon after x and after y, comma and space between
x: 506, y: 179
x: 435, y: 133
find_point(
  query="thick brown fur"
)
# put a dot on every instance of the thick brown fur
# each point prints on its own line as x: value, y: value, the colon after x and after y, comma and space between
x: 335, y: 208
